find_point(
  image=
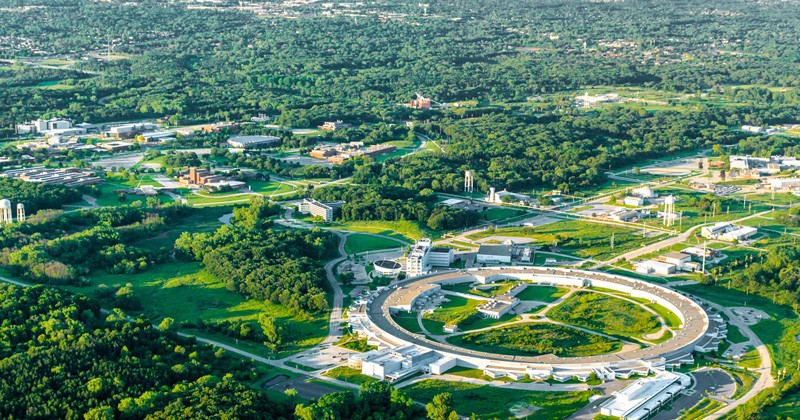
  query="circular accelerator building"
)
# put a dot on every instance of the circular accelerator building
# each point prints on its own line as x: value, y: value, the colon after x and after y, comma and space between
x: 402, y: 352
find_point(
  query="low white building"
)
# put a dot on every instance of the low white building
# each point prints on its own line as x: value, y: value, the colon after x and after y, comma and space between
x: 739, y: 234
x: 645, y: 396
x: 498, y: 306
x: 655, y: 267
x: 494, y: 254
x: 633, y: 201
x: 678, y: 259
x: 725, y: 231
x: 400, y: 362
x: 779, y: 184
x: 252, y: 142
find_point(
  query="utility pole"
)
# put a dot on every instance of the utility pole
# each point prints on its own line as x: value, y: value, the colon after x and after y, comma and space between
x: 704, y: 256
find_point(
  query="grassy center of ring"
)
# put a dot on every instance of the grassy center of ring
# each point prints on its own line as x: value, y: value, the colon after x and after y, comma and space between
x: 549, y: 320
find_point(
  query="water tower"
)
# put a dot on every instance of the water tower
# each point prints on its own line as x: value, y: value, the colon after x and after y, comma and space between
x: 469, y: 180
x: 5, y: 209
x: 20, y: 212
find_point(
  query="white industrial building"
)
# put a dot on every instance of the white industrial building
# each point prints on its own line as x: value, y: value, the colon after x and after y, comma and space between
x: 655, y: 267
x: 725, y: 231
x: 157, y: 136
x: 633, y: 201
x: 43, y: 126
x: 494, y: 254
x: 498, y: 306
x: 424, y: 255
x: 251, y: 142
x: 779, y: 184
x: 645, y: 396
x: 127, y: 131
x: 678, y: 259
x: 398, y: 363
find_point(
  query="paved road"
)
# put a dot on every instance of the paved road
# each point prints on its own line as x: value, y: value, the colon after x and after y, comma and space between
x: 628, y: 256
x: 714, y: 383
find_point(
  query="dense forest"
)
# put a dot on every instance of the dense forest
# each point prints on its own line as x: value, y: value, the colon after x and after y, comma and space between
x: 226, y: 64
x: 62, y: 358
x: 395, y: 203
x: 279, y: 266
x: 36, y: 196
x: 60, y: 247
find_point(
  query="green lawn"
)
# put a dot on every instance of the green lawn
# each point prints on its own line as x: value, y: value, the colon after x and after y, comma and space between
x: 270, y: 187
x: 542, y: 293
x: 605, y: 314
x: 735, y: 335
x: 108, y: 198
x: 499, y: 213
x: 407, y: 321
x: 455, y: 311
x: 347, y: 374
x: 582, y: 239
x: 534, y: 339
x: 408, y: 231
x: 185, y: 292
x: 488, y: 402
x: 357, y: 243
x: 702, y: 409
x: 228, y: 198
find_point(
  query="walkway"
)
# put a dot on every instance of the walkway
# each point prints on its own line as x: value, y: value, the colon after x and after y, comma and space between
x: 522, y: 386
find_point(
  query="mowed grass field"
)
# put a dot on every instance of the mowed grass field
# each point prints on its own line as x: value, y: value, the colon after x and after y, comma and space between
x: 357, y: 243
x: 488, y: 402
x: 605, y: 314
x: 455, y: 311
x: 578, y: 238
x: 542, y: 293
x: 534, y: 339
x: 188, y: 294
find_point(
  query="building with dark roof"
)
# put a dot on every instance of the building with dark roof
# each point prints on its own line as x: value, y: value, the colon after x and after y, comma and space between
x: 494, y: 254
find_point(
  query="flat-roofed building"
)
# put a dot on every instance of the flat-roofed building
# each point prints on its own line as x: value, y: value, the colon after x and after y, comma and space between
x: 494, y: 254
x: 678, y: 259
x: 253, y: 142
x: 334, y: 125
x: 440, y: 256
x: 778, y: 184
x: 157, y: 136
x: 400, y: 362
x: 655, y: 267
x: 633, y: 201
x: 646, y: 396
x: 739, y: 234
x: 725, y: 231
x: 72, y: 177
x: 128, y: 131
x: 713, y: 232
x: 418, y: 260
x: 326, y: 211
x: 498, y: 306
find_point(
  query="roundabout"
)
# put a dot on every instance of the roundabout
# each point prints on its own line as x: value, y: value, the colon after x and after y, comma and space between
x: 500, y: 320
